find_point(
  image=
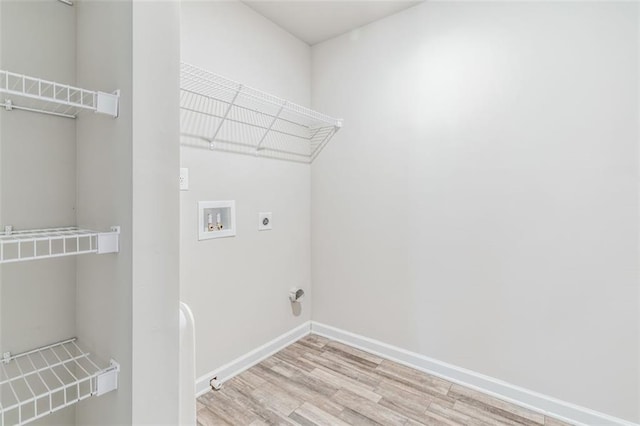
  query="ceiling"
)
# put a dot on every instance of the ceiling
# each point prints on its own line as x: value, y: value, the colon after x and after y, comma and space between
x: 314, y: 21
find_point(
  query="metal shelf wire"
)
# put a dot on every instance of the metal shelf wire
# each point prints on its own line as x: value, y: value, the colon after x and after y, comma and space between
x: 39, y: 382
x: 17, y: 246
x: 224, y: 115
x: 48, y: 97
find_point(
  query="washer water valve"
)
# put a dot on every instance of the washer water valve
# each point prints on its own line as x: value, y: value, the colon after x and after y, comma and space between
x: 218, y: 225
x: 296, y: 295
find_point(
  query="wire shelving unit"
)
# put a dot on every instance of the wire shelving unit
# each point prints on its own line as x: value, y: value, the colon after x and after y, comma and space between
x: 44, y: 380
x: 18, y: 246
x: 48, y: 97
x: 224, y: 115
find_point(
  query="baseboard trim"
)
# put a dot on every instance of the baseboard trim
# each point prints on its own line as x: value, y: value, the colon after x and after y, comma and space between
x: 538, y: 402
x: 252, y: 358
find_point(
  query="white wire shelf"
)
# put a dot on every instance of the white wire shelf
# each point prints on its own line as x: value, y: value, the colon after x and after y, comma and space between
x: 224, y: 115
x: 39, y: 382
x: 48, y: 97
x: 18, y: 246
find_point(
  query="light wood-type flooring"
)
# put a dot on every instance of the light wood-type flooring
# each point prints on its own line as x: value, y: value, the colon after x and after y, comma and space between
x: 317, y: 381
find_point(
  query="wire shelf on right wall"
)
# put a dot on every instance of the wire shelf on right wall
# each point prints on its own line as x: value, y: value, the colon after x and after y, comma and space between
x: 224, y: 115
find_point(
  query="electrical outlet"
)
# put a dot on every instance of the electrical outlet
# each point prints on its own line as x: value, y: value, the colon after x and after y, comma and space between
x: 184, y: 179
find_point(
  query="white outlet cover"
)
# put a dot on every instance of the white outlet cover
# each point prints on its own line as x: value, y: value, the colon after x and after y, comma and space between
x: 265, y: 221
x: 184, y: 179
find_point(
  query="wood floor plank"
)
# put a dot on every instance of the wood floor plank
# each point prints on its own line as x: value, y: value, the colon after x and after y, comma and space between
x: 225, y: 408
x: 416, y: 384
x: 432, y: 418
x: 354, y: 418
x: 207, y: 418
x: 418, y: 390
x: 301, y: 386
x: 270, y: 417
x: 411, y: 422
x: 456, y: 416
x: 314, y: 384
x: 250, y: 379
x: 368, y: 408
x: 352, y: 356
x: 317, y: 381
x: 550, y: 421
x: 331, y: 345
x: 406, y: 403
x: 458, y: 392
x: 393, y: 370
x: 300, y: 420
x: 335, y: 363
x: 243, y: 396
x: 307, y: 346
x: 344, y: 382
x: 485, y: 413
x: 391, y: 390
x: 317, y: 416
x: 299, y: 348
x: 296, y: 358
x: 315, y: 340
x: 398, y: 407
x: 276, y: 398
x: 253, y: 404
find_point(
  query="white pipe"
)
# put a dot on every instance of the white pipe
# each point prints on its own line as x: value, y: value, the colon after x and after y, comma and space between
x: 187, y: 370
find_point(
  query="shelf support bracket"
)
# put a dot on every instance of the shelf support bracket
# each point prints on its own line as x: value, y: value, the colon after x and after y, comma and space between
x: 224, y: 117
x: 273, y: 122
x: 107, y: 103
x: 108, y: 381
x: 323, y: 143
x: 315, y: 133
x: 109, y: 242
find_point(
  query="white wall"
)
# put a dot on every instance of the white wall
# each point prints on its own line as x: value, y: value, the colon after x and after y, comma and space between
x: 38, y: 176
x: 483, y: 194
x: 156, y: 243
x: 37, y: 180
x: 237, y: 287
x: 124, y: 305
x: 104, y: 198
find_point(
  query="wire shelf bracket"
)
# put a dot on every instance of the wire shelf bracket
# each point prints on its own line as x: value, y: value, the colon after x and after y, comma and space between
x: 223, y: 115
x: 42, y: 381
x: 48, y: 97
x: 18, y: 246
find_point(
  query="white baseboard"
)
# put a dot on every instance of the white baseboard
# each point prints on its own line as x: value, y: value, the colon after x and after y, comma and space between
x: 553, y: 407
x: 252, y: 358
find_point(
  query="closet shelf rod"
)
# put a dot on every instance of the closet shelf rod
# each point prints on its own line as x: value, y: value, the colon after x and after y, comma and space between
x: 9, y: 106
